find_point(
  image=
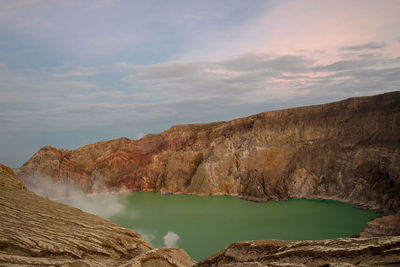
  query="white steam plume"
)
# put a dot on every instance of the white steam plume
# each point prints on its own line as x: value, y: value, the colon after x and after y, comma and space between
x: 145, y: 233
x: 104, y: 207
x: 171, y: 239
x: 46, y: 187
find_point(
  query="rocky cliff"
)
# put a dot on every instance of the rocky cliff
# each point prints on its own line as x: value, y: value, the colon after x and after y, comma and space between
x: 35, y: 231
x: 347, y: 150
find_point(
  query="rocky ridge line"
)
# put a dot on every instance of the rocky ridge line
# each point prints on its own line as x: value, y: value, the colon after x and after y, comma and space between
x: 347, y: 150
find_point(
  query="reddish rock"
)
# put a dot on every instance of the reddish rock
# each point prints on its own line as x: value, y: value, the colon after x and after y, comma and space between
x: 35, y: 231
x: 347, y: 150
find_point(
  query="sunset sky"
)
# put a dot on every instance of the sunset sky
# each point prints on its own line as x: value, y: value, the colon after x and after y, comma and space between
x: 80, y: 71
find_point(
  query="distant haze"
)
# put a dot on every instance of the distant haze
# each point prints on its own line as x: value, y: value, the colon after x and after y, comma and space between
x: 75, y: 72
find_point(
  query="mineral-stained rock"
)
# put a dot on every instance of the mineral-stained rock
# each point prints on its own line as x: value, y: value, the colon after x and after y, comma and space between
x: 384, y: 226
x: 35, y: 231
x: 347, y: 150
x: 332, y: 252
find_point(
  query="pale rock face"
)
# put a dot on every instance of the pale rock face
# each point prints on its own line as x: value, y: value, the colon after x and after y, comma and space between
x: 347, y: 150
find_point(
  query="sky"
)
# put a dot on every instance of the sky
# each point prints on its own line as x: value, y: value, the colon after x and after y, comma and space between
x: 81, y: 71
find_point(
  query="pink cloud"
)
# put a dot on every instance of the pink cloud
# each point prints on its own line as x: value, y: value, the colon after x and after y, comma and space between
x: 306, y: 26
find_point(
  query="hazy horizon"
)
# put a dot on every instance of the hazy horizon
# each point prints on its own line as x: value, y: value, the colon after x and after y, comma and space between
x: 78, y: 72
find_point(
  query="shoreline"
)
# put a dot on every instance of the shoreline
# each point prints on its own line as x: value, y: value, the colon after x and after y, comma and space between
x: 379, y: 213
x: 357, y: 205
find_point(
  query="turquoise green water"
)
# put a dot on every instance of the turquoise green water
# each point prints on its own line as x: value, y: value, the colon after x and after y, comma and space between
x: 206, y: 225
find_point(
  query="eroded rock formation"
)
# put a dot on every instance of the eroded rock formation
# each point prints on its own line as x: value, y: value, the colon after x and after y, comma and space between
x: 332, y: 252
x: 347, y: 150
x: 383, y: 226
x: 35, y: 231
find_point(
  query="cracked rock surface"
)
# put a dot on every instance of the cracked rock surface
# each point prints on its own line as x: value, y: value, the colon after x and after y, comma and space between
x: 35, y: 231
x: 332, y: 252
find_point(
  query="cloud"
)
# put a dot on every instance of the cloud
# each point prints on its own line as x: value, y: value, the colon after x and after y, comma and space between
x: 67, y: 85
x: 265, y: 62
x: 166, y: 70
x: 287, y: 27
x: 155, y: 64
x: 74, y: 74
x: 254, y: 78
x: 187, y: 91
x: 105, y: 31
x: 171, y: 239
x: 342, y: 65
x: 22, y: 5
x: 367, y: 46
x: 240, y: 79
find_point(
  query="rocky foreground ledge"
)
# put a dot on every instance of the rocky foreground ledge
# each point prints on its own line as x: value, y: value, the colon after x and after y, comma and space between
x: 332, y: 252
x: 35, y: 231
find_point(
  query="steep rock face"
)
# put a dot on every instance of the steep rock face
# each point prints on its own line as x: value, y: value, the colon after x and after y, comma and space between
x: 35, y: 231
x: 331, y: 252
x: 347, y: 150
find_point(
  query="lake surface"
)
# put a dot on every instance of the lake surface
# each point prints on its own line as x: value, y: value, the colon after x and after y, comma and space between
x: 204, y: 225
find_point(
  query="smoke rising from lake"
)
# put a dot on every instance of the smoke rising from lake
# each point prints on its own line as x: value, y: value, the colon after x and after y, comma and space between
x: 171, y: 239
x: 74, y: 196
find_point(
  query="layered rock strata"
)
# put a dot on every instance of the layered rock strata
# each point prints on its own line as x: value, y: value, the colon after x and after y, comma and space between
x: 383, y: 226
x: 35, y: 231
x: 332, y: 252
x: 347, y: 150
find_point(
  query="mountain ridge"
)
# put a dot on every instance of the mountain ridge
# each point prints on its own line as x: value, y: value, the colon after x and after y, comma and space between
x: 347, y: 150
